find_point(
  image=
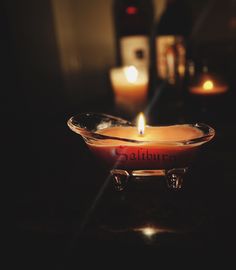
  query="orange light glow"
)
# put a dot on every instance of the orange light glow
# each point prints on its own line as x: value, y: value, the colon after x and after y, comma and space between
x: 208, y: 85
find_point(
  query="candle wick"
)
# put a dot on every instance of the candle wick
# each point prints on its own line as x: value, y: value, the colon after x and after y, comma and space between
x: 141, y: 132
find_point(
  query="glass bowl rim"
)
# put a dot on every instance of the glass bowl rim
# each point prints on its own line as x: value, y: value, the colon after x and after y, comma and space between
x: 208, y: 131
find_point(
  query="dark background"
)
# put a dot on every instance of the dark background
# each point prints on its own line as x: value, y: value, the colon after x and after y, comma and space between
x: 49, y: 76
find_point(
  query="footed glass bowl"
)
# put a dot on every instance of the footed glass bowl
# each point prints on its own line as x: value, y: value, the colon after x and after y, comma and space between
x: 129, y: 156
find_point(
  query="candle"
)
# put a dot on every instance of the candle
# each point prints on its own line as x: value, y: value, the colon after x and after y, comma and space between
x: 146, y: 147
x: 130, y: 86
x: 208, y: 87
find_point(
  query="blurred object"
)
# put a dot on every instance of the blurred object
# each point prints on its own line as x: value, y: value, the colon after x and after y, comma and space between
x: 159, y: 6
x: 171, y: 59
x: 202, y: 16
x: 207, y: 84
x: 232, y: 18
x: 215, y: 22
x: 190, y: 69
x: 130, y: 86
x: 172, y: 32
x: 84, y: 33
x: 85, y: 54
x: 207, y: 97
x: 171, y: 52
x: 214, y: 36
x: 133, y: 21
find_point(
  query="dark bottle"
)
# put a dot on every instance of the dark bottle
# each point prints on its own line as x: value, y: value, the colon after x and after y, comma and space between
x: 133, y: 20
x: 172, y: 41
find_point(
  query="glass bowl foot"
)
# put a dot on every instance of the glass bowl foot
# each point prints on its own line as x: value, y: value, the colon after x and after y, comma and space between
x: 120, y: 179
x: 174, y: 177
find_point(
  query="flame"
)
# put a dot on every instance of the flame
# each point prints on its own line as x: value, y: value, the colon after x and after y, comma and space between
x: 141, y: 124
x: 131, y: 74
x: 208, y: 85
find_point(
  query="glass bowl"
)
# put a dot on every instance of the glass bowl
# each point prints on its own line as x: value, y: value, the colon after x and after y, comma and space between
x: 128, y: 159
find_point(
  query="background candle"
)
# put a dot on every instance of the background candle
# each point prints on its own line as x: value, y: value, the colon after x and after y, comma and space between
x: 130, y: 86
x: 208, y: 87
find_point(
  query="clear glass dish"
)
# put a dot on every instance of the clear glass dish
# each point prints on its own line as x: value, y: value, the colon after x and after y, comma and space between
x: 128, y: 159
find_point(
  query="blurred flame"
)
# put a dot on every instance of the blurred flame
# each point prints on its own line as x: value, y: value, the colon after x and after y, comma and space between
x: 141, y: 124
x: 131, y: 74
x: 208, y: 85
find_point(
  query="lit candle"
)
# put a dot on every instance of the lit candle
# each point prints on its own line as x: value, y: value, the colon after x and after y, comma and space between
x: 130, y: 86
x: 146, y: 147
x: 208, y: 87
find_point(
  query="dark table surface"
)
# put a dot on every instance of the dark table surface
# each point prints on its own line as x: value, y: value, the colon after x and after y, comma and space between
x: 65, y: 201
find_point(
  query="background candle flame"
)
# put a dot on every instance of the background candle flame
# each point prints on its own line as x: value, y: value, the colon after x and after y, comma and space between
x: 131, y: 74
x: 141, y: 124
x: 208, y: 85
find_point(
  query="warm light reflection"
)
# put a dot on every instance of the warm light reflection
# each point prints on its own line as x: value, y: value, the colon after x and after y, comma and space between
x: 150, y: 231
x: 141, y: 124
x: 131, y: 74
x: 208, y: 85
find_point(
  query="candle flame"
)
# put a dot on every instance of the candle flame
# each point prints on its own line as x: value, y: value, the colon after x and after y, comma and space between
x: 131, y: 74
x: 208, y: 85
x: 141, y: 124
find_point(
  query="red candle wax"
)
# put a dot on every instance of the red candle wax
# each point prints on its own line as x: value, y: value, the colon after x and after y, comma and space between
x: 158, y: 148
